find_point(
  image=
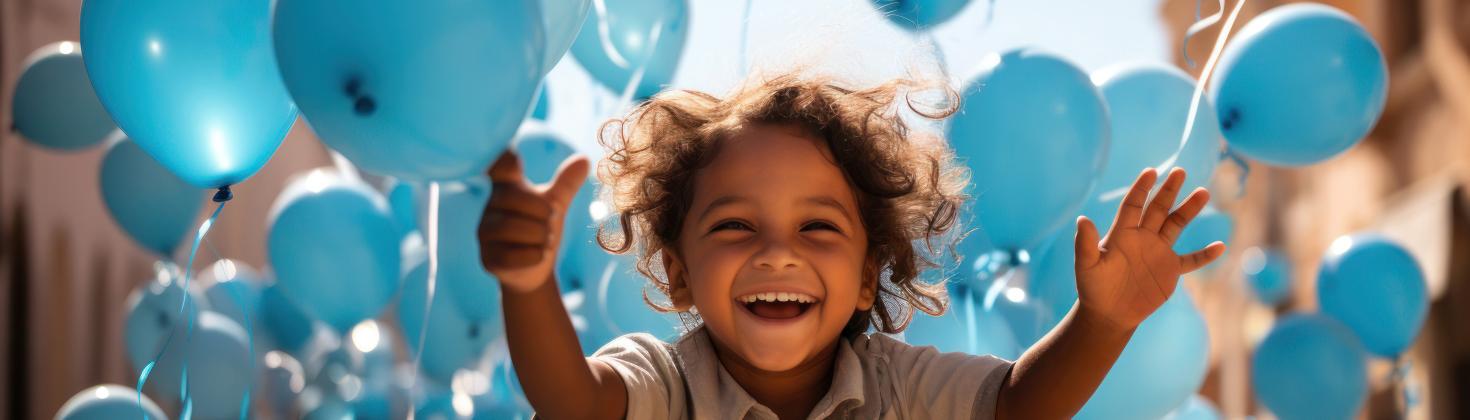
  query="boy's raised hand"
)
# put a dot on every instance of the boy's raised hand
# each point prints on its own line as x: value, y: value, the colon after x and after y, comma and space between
x: 1131, y: 272
x: 522, y: 223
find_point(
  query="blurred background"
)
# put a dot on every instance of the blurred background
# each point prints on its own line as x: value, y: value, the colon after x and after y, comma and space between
x: 67, y: 269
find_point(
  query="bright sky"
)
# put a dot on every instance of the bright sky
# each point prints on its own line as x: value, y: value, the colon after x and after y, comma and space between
x: 849, y: 39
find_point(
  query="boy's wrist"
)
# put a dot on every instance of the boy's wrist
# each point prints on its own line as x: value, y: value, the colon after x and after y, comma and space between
x: 1098, y: 322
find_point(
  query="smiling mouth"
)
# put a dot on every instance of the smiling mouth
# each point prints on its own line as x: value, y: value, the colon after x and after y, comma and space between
x: 777, y: 306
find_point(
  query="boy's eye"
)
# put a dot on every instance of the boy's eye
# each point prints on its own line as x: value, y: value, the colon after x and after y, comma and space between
x: 730, y: 225
x: 820, y: 225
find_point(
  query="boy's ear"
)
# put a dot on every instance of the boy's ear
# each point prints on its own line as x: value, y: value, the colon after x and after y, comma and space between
x: 868, y: 293
x: 679, y: 294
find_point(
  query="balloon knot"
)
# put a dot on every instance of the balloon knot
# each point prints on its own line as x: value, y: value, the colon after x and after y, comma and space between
x: 364, y: 106
x: 223, y: 194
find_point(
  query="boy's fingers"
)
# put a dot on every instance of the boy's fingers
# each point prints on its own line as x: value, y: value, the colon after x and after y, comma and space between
x: 496, y: 255
x: 1186, y: 212
x: 1194, y: 260
x: 514, y: 228
x: 507, y: 169
x: 1131, y: 210
x: 1158, y: 208
x: 1087, y: 242
x: 517, y: 199
x: 569, y: 178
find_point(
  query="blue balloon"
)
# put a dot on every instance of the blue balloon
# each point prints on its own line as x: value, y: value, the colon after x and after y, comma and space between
x: 1034, y: 132
x: 561, y: 20
x: 917, y: 15
x: 404, y: 203
x: 335, y: 248
x: 286, y: 323
x: 542, y: 107
x: 1268, y: 272
x: 108, y: 402
x: 453, y: 342
x: 219, y: 366
x: 193, y: 82
x: 1028, y: 318
x: 964, y: 328
x: 461, y: 274
x: 54, y: 106
x: 1310, y: 367
x: 1196, y: 408
x: 417, y: 91
x: 1161, y: 367
x: 616, y: 43
x: 1299, y: 84
x: 1148, y: 104
x: 153, y: 313
x: 1209, y: 226
x: 1053, y: 276
x: 151, y: 204
x: 581, y: 260
x: 1375, y: 287
x: 619, y: 294
x: 541, y: 151
x: 236, y: 291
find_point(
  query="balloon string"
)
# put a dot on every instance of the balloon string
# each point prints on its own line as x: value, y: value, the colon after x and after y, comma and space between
x: 1245, y: 170
x: 604, y: 283
x: 222, y: 196
x: 1199, y: 25
x: 1199, y: 90
x: 250, y: 344
x: 432, y: 237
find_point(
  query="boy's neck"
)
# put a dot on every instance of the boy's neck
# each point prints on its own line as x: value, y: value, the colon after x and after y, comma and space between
x: 791, y: 394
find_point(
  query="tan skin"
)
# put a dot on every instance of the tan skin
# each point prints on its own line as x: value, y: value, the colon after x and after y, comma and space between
x: 773, y: 213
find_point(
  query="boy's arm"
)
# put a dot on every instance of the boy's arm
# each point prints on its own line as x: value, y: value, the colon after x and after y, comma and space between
x: 519, y: 234
x: 1121, y: 280
x: 1055, y: 378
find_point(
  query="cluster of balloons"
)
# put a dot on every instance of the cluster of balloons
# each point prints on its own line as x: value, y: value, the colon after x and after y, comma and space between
x: 1373, y: 300
x: 206, y: 91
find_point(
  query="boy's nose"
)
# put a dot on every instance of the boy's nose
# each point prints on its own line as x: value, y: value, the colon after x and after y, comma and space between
x: 775, y: 255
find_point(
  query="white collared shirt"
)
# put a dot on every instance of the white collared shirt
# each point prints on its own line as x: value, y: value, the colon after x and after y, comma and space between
x: 876, y: 377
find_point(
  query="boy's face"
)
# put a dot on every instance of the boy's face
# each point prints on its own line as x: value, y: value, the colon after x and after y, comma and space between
x: 773, y: 248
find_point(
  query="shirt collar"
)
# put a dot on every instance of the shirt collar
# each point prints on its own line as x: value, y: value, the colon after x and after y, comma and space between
x: 713, y: 390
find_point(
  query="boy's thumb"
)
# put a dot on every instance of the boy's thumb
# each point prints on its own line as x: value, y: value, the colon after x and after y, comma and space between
x: 569, y: 178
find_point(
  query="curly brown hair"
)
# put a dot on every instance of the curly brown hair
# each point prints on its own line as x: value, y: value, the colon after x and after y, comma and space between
x: 908, y: 188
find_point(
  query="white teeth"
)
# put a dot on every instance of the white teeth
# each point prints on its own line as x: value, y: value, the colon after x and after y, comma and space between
x: 777, y: 297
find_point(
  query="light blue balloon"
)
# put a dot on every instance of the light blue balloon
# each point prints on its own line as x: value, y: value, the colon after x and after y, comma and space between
x: 1299, y: 84
x: 152, y: 205
x: 614, y: 45
x: 561, y: 20
x: 1028, y: 318
x: 417, y: 91
x: 453, y: 342
x: 581, y: 260
x: 1375, y: 287
x: 542, y: 107
x: 236, y: 291
x: 1310, y: 367
x: 1195, y: 408
x: 286, y: 323
x: 461, y: 274
x: 404, y: 203
x: 1149, y: 104
x: 542, y: 152
x: 965, y: 328
x: 915, y: 15
x: 53, y: 105
x: 108, y: 402
x: 619, y: 293
x: 1053, y: 276
x: 219, y: 367
x: 193, y: 82
x: 1209, y: 226
x: 1268, y: 272
x: 1161, y: 367
x: 153, y: 312
x: 1034, y: 132
x: 335, y: 249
